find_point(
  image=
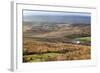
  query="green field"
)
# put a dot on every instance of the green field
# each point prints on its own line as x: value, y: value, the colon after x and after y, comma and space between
x: 40, y: 57
x: 85, y: 39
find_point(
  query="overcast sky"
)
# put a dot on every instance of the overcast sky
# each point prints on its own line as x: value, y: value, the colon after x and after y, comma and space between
x: 56, y: 17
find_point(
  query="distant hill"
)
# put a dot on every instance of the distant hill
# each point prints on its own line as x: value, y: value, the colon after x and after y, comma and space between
x: 54, y: 30
x: 58, y: 19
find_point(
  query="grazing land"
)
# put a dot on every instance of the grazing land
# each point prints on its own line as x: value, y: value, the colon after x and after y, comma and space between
x: 56, y: 42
